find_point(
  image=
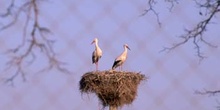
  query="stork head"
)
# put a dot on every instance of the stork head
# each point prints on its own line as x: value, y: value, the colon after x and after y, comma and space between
x: 95, y: 41
x: 126, y: 46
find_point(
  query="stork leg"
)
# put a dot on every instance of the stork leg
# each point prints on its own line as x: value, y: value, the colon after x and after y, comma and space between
x: 120, y: 67
x: 96, y: 65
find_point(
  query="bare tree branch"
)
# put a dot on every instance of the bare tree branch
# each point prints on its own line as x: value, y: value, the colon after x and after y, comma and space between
x: 36, y: 39
x: 208, y: 92
x: 9, y: 10
x: 151, y: 8
x: 15, y: 15
x: 172, y: 3
x: 196, y: 34
x: 151, y: 4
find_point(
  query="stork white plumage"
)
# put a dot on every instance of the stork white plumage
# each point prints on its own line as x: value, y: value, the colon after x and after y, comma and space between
x: 97, y: 53
x: 121, y: 59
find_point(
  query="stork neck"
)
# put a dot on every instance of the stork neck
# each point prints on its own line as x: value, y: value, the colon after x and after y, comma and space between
x: 125, y: 50
x: 96, y: 45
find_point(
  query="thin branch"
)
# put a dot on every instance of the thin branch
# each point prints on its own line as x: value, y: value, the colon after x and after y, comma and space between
x: 35, y: 40
x: 172, y: 4
x: 11, y: 79
x: 151, y: 8
x: 15, y: 16
x: 9, y: 10
x: 208, y: 92
x: 196, y: 34
x: 151, y: 4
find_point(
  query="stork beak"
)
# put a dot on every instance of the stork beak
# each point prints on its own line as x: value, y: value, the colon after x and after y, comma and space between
x: 92, y: 42
x: 128, y: 48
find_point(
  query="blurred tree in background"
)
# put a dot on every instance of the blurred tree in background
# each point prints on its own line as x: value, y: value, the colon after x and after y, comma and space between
x: 208, y: 10
x: 35, y: 38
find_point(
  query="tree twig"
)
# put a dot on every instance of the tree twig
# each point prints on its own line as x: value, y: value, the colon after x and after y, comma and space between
x: 172, y: 4
x: 208, y: 92
x: 151, y: 8
x: 196, y: 34
x: 30, y: 42
x: 151, y: 4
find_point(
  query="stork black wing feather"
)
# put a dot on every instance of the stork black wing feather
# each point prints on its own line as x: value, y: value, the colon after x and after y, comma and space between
x: 94, y: 59
x: 116, y: 64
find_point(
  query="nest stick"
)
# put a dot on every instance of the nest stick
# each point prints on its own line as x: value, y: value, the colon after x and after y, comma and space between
x: 113, y: 88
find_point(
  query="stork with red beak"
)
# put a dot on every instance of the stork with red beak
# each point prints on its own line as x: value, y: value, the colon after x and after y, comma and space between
x: 97, y: 53
x: 121, y: 59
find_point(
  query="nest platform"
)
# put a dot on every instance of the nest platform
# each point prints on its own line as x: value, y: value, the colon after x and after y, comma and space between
x: 113, y: 88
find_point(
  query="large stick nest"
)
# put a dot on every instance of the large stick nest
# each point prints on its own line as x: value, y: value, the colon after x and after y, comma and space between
x: 113, y: 88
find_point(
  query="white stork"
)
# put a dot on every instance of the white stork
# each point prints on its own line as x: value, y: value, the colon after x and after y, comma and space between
x: 97, y: 53
x: 121, y: 59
